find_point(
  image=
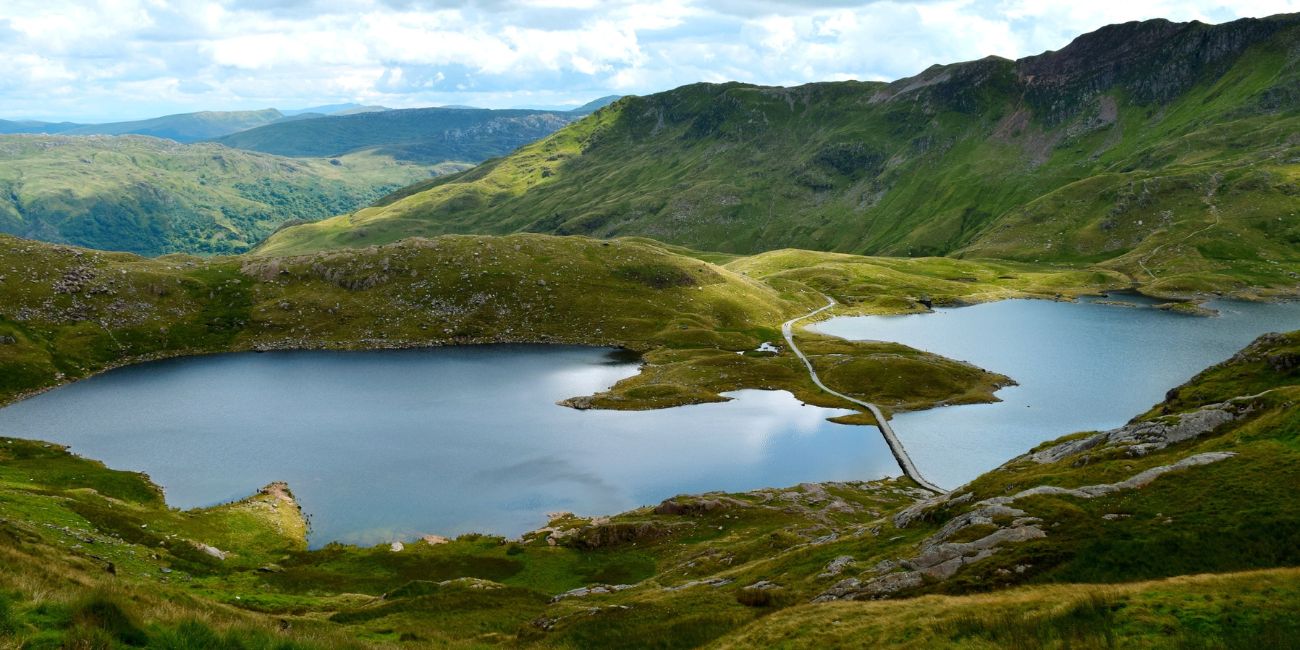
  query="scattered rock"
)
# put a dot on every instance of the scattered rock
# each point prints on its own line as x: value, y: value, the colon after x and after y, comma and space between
x: 590, y: 590
x: 837, y: 566
x: 397, y: 547
x: 211, y: 550
x: 616, y: 534
x: 1139, y: 480
x: 695, y: 505
x: 712, y: 582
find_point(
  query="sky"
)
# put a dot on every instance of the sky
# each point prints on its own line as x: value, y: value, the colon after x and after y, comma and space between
x: 100, y: 60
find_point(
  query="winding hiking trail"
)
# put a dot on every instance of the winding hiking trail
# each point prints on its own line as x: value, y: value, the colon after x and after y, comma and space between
x: 1215, y: 180
x: 895, y: 445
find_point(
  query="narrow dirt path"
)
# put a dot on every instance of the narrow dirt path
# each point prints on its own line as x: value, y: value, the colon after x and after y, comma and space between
x: 895, y: 445
x: 1213, y: 209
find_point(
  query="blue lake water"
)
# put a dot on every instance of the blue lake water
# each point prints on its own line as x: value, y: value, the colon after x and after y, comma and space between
x: 1081, y: 366
x: 389, y: 445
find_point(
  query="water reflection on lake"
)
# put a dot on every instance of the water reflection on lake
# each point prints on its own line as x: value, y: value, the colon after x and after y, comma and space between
x: 393, y: 444
x: 1081, y: 366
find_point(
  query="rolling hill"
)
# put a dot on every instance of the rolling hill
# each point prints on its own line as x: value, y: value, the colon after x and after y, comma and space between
x: 34, y: 126
x: 184, y: 127
x: 427, y: 135
x: 153, y: 196
x: 1162, y: 150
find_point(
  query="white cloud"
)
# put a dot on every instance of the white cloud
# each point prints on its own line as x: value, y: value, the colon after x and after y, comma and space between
x: 111, y: 59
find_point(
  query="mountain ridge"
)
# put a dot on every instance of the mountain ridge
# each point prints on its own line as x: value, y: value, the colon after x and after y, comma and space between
x: 414, y: 134
x: 945, y: 162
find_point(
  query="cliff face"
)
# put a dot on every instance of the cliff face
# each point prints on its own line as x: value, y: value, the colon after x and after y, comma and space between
x: 1150, y: 62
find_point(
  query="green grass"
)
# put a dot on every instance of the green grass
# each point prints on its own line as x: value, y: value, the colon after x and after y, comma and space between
x: 1252, y: 610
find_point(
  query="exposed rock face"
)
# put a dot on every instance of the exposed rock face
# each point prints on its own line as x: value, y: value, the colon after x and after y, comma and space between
x: 837, y: 566
x: 1153, y: 61
x: 613, y: 534
x: 697, y: 506
x: 590, y: 590
x: 1142, y: 438
x: 938, y: 558
x: 1139, y: 480
x: 711, y: 582
x: 211, y: 550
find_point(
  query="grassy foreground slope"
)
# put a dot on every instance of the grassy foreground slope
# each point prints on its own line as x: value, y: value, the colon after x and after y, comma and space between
x: 154, y: 196
x: 1078, y: 544
x: 1161, y: 150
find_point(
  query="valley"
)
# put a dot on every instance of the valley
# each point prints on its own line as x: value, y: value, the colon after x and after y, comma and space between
x: 153, y: 196
x: 1005, y: 353
x: 219, y: 183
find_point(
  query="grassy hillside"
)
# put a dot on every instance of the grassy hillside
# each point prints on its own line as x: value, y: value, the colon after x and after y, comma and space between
x: 154, y: 196
x: 67, y: 313
x: 1107, y: 523
x: 428, y: 135
x: 1156, y: 149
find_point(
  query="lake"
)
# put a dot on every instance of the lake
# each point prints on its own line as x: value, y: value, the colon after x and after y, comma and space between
x: 389, y: 445
x: 1081, y: 366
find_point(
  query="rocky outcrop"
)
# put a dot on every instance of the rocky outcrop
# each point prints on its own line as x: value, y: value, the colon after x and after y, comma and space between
x: 1140, y: 480
x: 1152, y: 61
x: 697, y: 505
x: 605, y: 535
x: 1143, y: 437
x: 590, y: 590
x: 837, y: 566
x: 938, y: 558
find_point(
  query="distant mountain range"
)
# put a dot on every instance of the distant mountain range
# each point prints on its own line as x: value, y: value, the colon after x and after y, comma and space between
x: 418, y: 134
x: 153, y: 196
x: 1165, y: 150
x: 184, y: 127
x: 333, y: 109
x: 207, y: 125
